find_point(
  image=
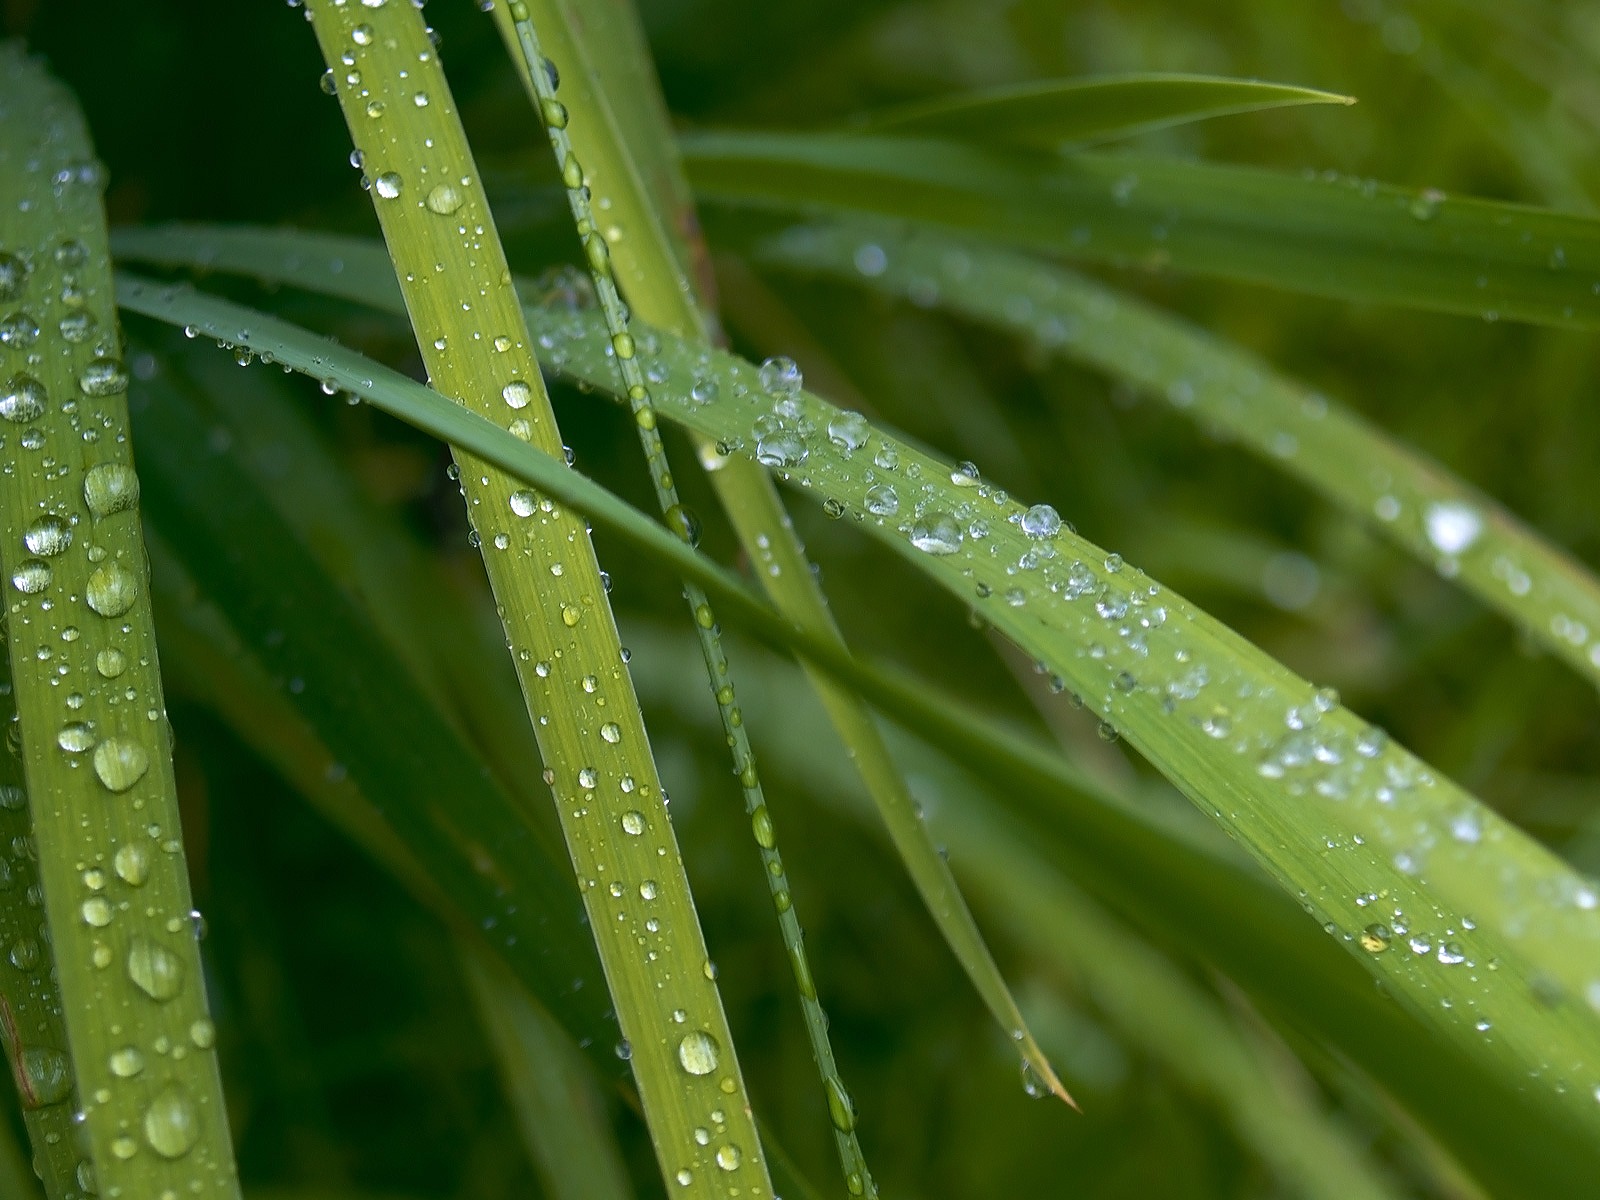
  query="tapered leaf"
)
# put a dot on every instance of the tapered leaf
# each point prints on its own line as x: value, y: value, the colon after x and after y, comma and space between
x: 1323, y: 234
x: 1055, y: 113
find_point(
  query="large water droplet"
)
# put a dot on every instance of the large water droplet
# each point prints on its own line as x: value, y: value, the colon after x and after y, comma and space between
x: 882, y: 501
x: 23, y: 398
x: 388, y: 184
x: 171, y: 1125
x: 938, y: 534
x: 1041, y: 521
x: 31, y: 576
x: 780, y: 376
x: 154, y: 970
x: 46, y: 1075
x: 111, y: 590
x: 120, y: 763
x: 13, y: 276
x: 444, y: 199
x: 127, y: 1062
x: 849, y: 431
x: 517, y: 393
x: 728, y: 1157
x: 698, y: 1052
x: 103, y: 377
x: 1452, y: 526
x: 110, y: 488
x: 75, y: 737
x: 47, y: 536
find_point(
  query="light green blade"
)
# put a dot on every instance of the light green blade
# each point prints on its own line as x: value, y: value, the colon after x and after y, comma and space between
x: 1054, y: 113
x: 1438, y: 518
x: 94, y: 742
x: 1424, y: 885
x: 1326, y: 235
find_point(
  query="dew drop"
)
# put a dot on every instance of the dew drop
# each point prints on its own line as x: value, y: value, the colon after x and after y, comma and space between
x: 171, y: 1126
x: 132, y: 864
x: 48, y: 1076
x: 120, y: 763
x: 1375, y: 938
x: 111, y: 590
x: 632, y: 822
x: 32, y: 576
x: 1452, y: 527
x: 780, y: 376
x: 939, y: 534
x: 388, y: 184
x: 841, y: 1109
x: 13, y: 276
x: 126, y: 1062
x: 517, y: 393
x: 97, y: 912
x: 75, y: 737
x: 1041, y: 521
x: 47, y: 536
x: 882, y: 501
x: 728, y: 1157
x: 23, y: 399
x: 111, y: 662
x: 849, y: 431
x: 698, y: 1052
x: 154, y: 970
x: 110, y: 488
x: 104, y: 377
x: 444, y: 199
x: 611, y: 732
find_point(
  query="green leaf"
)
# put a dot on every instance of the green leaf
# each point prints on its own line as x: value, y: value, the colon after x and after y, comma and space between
x: 92, y: 733
x: 1322, y: 234
x: 1055, y: 113
x: 1441, y: 520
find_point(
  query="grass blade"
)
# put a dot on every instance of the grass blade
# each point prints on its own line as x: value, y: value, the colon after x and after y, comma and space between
x: 1436, y: 517
x: 95, y: 752
x: 526, y: 49
x: 1550, y: 1119
x: 430, y: 204
x: 1058, y: 113
x: 1350, y: 239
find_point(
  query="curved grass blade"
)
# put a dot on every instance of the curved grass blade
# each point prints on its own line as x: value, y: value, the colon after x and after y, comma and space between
x: 629, y: 144
x: 545, y: 577
x: 1157, y: 1008
x: 94, y: 741
x: 1058, y: 113
x: 1545, y: 1117
x: 1436, y: 517
x: 15, y: 1177
x: 525, y: 47
x: 1325, y: 235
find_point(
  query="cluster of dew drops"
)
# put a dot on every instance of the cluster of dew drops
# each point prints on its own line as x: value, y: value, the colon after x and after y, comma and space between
x: 169, y: 1122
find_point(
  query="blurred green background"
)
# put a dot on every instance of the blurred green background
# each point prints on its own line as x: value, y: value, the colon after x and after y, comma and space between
x: 352, y: 1055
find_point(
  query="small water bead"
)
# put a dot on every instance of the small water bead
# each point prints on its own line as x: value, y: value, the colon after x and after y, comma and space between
x: 388, y: 185
x: 361, y: 35
x: 47, y: 536
x: 648, y: 890
x: 684, y: 1177
x: 1452, y: 527
x: 127, y: 1062
x: 683, y: 522
x: 882, y: 500
x: 13, y: 276
x: 110, y: 488
x: 841, y: 1109
x: 75, y: 737
x: 728, y: 1157
x: 965, y: 474
x: 97, y: 912
x: 154, y: 970
x: 588, y: 777
x: 632, y: 822
x: 120, y: 763
x: 780, y: 376
x: 132, y: 864
x: 1375, y: 938
x: 111, y: 590
x: 444, y: 199
x: 77, y: 326
x: 171, y: 1125
x: 939, y: 534
x: 611, y: 732
x: 104, y: 377
x: 18, y: 330
x: 698, y: 1052
x: 704, y: 391
x: 781, y: 448
x: 517, y: 393
x: 32, y: 576
x: 202, y: 1034
x: 47, y: 1076
x: 24, y: 954
x: 23, y: 398
x: 111, y: 662
x: 849, y: 431
x: 1041, y: 521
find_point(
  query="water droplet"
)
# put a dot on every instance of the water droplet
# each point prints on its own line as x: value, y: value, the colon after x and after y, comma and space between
x: 698, y: 1052
x: 110, y: 488
x: 111, y: 590
x: 120, y: 763
x: 633, y: 822
x: 1425, y: 204
x: 75, y: 737
x: 18, y: 330
x: 104, y: 377
x: 728, y: 1157
x: 444, y: 199
x: 132, y: 864
x: 388, y: 184
x: 23, y: 399
x: 47, y: 536
x: 1375, y: 938
x: 1452, y: 526
x: 849, y: 431
x: 126, y: 1062
x: 611, y: 732
x: 47, y: 1075
x: 587, y: 778
x: 111, y: 662
x: 77, y: 326
x: 171, y: 1126
x: 882, y: 501
x: 938, y: 534
x: 517, y: 393
x: 203, y: 1034
x: 1041, y: 521
x: 154, y: 970
x: 97, y: 912
x: 841, y: 1109
x: 13, y: 276
x: 361, y: 35
x: 523, y: 503
x: 684, y: 1177
x: 31, y: 576
x: 780, y: 376
x: 1033, y: 1083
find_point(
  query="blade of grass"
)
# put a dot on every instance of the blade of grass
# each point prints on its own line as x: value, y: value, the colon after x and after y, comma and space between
x: 623, y: 152
x: 475, y: 345
x: 94, y: 743
x: 1437, y: 518
x: 15, y: 1178
x: 525, y: 48
x: 1550, y: 1147
x: 1325, y: 235
x: 1055, y: 113
x: 1155, y: 1006
x: 562, y: 1120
